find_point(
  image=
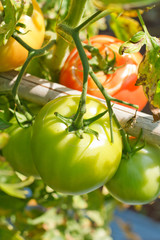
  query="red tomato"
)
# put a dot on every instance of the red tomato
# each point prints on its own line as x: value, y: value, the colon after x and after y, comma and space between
x: 120, y: 84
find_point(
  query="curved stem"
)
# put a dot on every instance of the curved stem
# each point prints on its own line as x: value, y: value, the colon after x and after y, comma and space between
x: 16, y: 87
x: 31, y: 54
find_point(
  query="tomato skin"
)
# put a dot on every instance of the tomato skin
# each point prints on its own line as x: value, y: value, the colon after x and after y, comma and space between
x: 67, y: 163
x: 137, y: 180
x: 12, y: 54
x: 120, y: 84
x: 18, y: 150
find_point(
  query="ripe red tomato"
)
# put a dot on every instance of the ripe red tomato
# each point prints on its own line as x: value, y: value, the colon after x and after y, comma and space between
x: 137, y: 180
x: 120, y: 84
x: 67, y: 163
x: 12, y: 54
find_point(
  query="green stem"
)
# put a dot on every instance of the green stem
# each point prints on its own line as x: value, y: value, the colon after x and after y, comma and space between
x: 72, y: 19
x: 142, y: 23
x: 108, y: 99
x: 78, y: 122
x: 16, y: 88
x: 31, y: 54
x: 93, y: 18
x: 126, y: 145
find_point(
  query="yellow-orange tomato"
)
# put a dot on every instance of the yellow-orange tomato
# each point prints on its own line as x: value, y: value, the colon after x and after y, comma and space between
x: 12, y: 54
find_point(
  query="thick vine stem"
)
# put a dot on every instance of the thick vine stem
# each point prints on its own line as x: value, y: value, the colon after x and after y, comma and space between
x: 72, y: 19
x: 74, y: 33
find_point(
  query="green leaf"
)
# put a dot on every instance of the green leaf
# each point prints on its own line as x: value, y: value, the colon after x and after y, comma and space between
x: 123, y: 27
x: 134, y: 44
x: 4, y: 124
x: 149, y: 75
x: 16, y: 189
x: 13, y: 10
x: 5, y: 113
x: 8, y: 24
x: 157, y: 95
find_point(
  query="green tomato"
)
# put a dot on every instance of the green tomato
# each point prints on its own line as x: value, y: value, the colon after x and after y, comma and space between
x: 137, y: 180
x: 67, y: 163
x: 18, y: 150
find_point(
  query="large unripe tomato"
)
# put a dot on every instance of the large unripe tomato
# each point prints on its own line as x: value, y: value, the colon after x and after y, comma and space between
x: 137, y: 180
x: 12, y: 54
x: 67, y: 163
x: 18, y: 150
x: 120, y: 84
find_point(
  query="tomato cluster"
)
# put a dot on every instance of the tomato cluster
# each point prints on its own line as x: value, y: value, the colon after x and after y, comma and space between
x: 119, y: 84
x: 64, y: 161
x: 74, y: 165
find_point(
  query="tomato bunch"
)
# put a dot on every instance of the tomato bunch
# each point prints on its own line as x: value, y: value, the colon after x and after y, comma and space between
x: 119, y: 84
x: 12, y: 54
x: 73, y: 165
x: 64, y: 161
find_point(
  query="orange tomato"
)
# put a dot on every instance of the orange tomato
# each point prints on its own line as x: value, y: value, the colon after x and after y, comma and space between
x: 12, y: 54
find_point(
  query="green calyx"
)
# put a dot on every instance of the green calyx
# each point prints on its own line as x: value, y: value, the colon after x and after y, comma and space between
x: 99, y: 62
x: 84, y: 128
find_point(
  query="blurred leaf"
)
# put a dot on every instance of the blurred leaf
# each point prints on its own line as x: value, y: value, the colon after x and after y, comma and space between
x: 79, y: 202
x: 123, y: 27
x: 17, y: 189
x: 7, y: 175
x: 10, y: 205
x: 4, y: 124
x: 12, y: 13
x: 4, y: 108
x: 95, y: 200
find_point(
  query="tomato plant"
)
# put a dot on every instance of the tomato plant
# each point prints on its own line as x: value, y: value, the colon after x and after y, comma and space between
x: 12, y: 54
x: 67, y: 163
x: 119, y: 84
x: 18, y: 150
x: 137, y: 180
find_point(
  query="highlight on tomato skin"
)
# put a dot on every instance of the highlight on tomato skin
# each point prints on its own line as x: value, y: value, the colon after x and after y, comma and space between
x: 12, y: 54
x: 67, y: 163
x: 120, y: 84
